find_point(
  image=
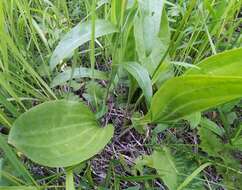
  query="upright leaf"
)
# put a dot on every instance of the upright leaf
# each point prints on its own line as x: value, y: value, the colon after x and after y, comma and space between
x: 164, y: 33
x: 70, y: 180
x: 210, y: 125
x: 151, y: 31
x: 225, y: 63
x: 79, y: 35
x: 141, y: 75
x: 150, y: 21
x: 78, y: 73
x: 183, y: 96
x: 116, y: 9
x: 59, y: 133
x: 164, y: 164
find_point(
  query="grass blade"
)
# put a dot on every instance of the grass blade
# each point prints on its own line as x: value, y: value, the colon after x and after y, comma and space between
x: 19, y: 188
x: 193, y: 175
x: 15, y: 162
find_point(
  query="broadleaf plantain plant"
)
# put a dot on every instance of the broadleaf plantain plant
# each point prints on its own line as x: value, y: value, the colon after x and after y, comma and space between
x: 198, y: 89
x: 194, y: 92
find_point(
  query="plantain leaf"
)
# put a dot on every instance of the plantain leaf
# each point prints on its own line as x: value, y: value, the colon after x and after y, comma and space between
x: 183, y: 96
x: 79, y: 35
x: 141, y: 75
x: 210, y: 125
x: 210, y: 142
x: 148, y: 23
x: 164, y: 163
x: 172, y: 169
x: 152, y: 33
x: 59, y: 133
x: 225, y: 63
x: 77, y: 73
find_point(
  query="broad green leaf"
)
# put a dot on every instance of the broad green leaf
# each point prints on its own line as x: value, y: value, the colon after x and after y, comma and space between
x: 225, y: 63
x: 183, y: 96
x: 210, y: 143
x: 150, y: 21
x: 128, y: 37
x: 59, y: 133
x: 172, y: 169
x: 164, y: 72
x: 77, y: 74
x: 164, y: 33
x: 152, y: 35
x: 165, y: 166
x: 210, y: 125
x: 79, y: 35
x: 141, y: 75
